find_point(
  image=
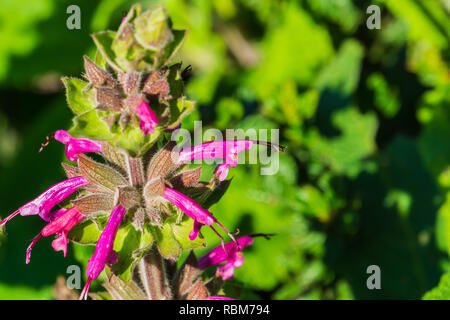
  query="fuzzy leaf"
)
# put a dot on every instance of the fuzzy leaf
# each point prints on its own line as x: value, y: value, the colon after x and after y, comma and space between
x: 78, y: 101
x: 100, y: 174
x: 152, y: 78
x: 154, y: 216
x: 128, y: 196
x: 103, y: 41
x: 108, y: 99
x: 186, y: 179
x: 94, y: 203
x: 113, y: 156
x: 119, y: 290
x: 135, y: 171
x: 181, y: 233
x: 126, y: 242
x: 172, y: 48
x: 168, y: 246
x: 162, y: 162
x: 133, y: 140
x: 198, y: 291
x: 85, y: 232
x: 71, y: 171
x: 130, y: 55
x: 185, y: 276
x: 153, y: 189
x: 153, y: 28
x: 130, y: 81
x: 97, y: 76
x: 89, y: 125
x: 152, y: 270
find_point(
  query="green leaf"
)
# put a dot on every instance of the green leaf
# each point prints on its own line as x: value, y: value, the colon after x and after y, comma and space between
x: 104, y: 42
x: 444, y: 217
x: 100, y: 174
x: 133, y: 140
x: 78, y: 101
x: 152, y: 28
x: 89, y: 125
x: 385, y: 100
x: 313, y: 49
x: 441, y: 292
x: 181, y: 233
x: 315, y: 202
x: 126, y: 242
x: 178, y: 110
x: 21, y: 292
x: 172, y: 47
x: 173, y: 237
x: 85, y: 232
x: 168, y: 246
x: 342, y: 73
x: 344, y: 153
x: 421, y: 24
x: 216, y: 194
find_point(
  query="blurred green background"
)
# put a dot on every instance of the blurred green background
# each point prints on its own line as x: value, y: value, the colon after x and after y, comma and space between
x: 364, y: 114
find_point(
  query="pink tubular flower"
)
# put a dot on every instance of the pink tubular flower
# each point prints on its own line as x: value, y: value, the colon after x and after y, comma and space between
x: 230, y: 253
x: 147, y: 118
x: 227, y: 150
x: 47, y: 200
x: 218, y: 298
x: 194, y: 210
x: 104, y: 253
x: 76, y: 146
x: 64, y: 221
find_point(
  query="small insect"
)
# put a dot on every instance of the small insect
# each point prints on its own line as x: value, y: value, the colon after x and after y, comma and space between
x: 185, y: 74
x: 47, y: 141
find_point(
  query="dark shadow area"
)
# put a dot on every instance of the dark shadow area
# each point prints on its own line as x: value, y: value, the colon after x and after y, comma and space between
x: 409, y: 266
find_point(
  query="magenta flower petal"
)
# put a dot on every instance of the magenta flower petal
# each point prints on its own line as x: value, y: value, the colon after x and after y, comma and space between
x: 221, y: 171
x: 226, y: 271
x: 76, y: 146
x: 47, y: 200
x: 112, y: 258
x: 30, y: 247
x: 195, y: 211
x: 216, y: 150
x: 232, y: 255
x: 191, y: 208
x: 60, y: 226
x: 147, y: 118
x: 104, y: 253
x: 227, y: 150
x: 60, y: 243
x: 58, y: 213
x: 218, y: 298
x: 196, y: 230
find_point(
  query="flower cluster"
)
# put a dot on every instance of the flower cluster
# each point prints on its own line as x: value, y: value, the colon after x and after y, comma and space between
x: 139, y: 187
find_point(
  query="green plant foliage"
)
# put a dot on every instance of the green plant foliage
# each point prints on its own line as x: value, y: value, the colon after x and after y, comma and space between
x: 441, y: 292
x: 364, y: 115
